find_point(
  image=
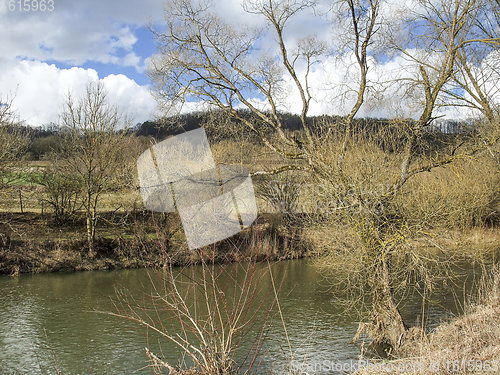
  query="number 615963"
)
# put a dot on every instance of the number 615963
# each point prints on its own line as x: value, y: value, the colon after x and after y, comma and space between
x: 31, y: 5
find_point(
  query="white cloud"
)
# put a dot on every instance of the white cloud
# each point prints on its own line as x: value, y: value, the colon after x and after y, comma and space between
x: 131, y: 97
x: 76, y: 32
x: 131, y: 59
x: 333, y: 84
x: 41, y: 90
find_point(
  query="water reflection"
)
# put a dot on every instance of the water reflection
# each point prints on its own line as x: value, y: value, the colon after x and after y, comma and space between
x: 42, y: 315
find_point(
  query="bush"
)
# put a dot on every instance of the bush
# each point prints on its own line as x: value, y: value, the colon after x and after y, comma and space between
x: 62, y: 193
x: 41, y: 147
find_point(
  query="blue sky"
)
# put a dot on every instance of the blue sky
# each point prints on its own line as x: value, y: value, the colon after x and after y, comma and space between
x: 144, y: 47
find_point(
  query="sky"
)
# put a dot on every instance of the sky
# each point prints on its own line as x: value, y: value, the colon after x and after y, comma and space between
x: 44, y: 55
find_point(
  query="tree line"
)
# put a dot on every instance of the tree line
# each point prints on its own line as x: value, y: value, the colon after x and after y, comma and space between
x: 44, y: 140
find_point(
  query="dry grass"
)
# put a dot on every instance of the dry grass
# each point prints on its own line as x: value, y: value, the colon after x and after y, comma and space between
x: 32, y: 244
x: 32, y: 197
x: 462, y: 195
x: 10, y: 200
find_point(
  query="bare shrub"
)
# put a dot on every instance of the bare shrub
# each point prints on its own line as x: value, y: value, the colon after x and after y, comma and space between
x: 281, y: 193
x: 14, y: 138
x: 62, y: 192
x: 208, y: 312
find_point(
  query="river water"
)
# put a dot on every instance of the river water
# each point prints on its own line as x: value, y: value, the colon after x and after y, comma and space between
x: 51, y: 323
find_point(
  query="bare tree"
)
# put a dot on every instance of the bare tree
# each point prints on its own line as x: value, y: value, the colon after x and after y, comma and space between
x: 444, y: 36
x: 200, y: 57
x: 94, y: 132
x: 13, y: 141
x: 433, y: 42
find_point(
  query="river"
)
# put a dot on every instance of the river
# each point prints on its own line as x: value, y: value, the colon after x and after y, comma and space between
x: 54, y: 322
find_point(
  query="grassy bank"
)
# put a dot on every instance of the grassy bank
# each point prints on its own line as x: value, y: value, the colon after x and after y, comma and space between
x: 30, y: 243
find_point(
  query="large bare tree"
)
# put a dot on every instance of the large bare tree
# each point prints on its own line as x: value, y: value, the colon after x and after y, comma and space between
x: 203, y: 58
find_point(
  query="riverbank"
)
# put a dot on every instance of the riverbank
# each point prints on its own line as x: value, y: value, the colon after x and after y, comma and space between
x: 30, y: 243
x: 467, y: 344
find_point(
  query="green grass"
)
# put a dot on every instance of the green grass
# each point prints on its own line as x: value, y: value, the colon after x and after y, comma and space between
x: 22, y: 178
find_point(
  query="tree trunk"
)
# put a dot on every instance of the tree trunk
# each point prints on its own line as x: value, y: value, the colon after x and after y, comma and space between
x: 388, y: 325
x: 91, y: 234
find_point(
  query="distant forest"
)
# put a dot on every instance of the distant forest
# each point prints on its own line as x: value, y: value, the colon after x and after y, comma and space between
x: 384, y: 132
